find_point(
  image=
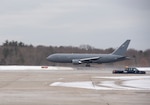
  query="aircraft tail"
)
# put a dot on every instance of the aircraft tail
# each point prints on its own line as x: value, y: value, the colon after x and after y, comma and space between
x: 122, y: 49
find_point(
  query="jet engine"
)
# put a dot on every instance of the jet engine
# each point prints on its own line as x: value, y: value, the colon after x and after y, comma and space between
x: 76, y: 61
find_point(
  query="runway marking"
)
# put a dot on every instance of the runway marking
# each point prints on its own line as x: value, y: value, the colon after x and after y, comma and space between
x: 127, y: 83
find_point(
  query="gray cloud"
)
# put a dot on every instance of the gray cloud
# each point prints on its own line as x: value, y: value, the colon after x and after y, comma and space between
x: 99, y: 23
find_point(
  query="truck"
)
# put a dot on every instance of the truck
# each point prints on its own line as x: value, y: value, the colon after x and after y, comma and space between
x: 132, y: 70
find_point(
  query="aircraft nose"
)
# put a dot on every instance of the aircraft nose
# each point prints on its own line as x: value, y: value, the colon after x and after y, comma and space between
x: 50, y: 58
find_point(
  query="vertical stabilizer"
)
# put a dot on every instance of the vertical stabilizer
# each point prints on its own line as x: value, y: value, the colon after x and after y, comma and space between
x: 122, y: 49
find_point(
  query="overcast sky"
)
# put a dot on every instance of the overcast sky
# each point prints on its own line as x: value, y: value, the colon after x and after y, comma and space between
x: 99, y: 23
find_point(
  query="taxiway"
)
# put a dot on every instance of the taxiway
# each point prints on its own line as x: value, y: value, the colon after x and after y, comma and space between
x: 73, y: 87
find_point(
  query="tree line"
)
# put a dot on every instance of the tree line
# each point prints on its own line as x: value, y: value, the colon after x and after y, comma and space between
x: 18, y: 53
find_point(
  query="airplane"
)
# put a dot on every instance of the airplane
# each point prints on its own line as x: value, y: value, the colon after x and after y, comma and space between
x: 79, y: 58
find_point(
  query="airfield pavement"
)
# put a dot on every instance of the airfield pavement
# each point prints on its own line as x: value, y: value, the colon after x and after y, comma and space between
x: 81, y: 86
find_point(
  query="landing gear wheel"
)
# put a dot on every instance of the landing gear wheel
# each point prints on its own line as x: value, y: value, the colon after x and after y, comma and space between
x: 88, y: 65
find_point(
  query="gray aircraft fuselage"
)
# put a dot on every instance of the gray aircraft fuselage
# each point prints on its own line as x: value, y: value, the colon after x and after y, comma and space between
x: 117, y: 55
x: 67, y: 58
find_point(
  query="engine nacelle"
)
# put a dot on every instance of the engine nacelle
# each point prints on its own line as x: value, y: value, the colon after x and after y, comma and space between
x: 76, y: 61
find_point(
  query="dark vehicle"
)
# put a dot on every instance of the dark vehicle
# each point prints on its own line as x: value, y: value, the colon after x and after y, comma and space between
x: 129, y: 71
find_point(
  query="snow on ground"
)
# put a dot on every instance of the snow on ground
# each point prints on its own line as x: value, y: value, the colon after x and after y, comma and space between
x: 143, y: 68
x: 128, y: 83
x: 143, y: 84
x: 113, y: 86
x: 16, y: 67
x: 84, y: 84
x: 125, y: 77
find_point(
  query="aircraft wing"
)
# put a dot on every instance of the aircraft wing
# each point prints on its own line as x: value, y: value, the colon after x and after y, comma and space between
x: 89, y: 60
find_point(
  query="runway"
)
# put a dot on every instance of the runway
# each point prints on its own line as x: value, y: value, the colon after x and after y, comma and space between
x: 93, y: 86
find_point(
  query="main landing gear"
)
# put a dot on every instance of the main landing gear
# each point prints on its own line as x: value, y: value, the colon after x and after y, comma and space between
x: 88, y: 65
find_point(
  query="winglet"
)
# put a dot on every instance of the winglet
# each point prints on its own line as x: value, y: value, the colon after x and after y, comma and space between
x: 122, y: 49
